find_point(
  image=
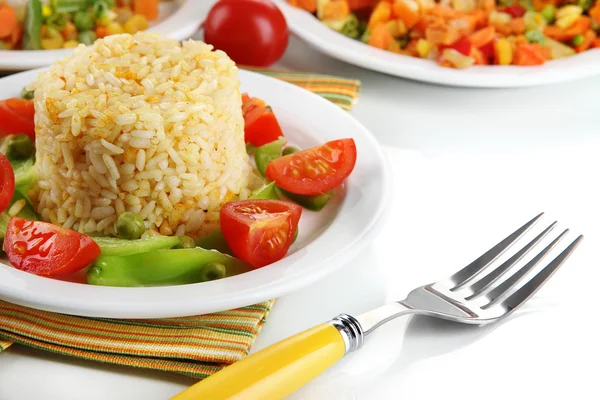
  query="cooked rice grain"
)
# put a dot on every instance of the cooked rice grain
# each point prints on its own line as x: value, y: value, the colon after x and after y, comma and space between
x: 143, y: 124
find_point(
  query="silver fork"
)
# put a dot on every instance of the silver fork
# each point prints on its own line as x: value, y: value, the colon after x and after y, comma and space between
x: 471, y: 296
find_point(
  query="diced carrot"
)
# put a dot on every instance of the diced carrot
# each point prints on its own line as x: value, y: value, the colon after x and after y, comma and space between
x: 16, y: 36
x: 381, y: 13
x: 358, y: 4
x: 411, y: 48
x: 596, y: 43
x: 488, y: 5
x: 556, y: 33
x: 8, y: 21
x: 529, y: 54
x: 482, y: 36
x: 336, y: 10
x: 442, y: 34
x: 380, y: 36
x: 480, y: 59
x: 101, y: 31
x: 517, y: 25
x: 147, y: 8
x: 588, y: 39
x: 480, y: 18
x: 69, y: 32
x: 579, y: 27
x: 540, y: 4
x: 308, y: 5
x: 407, y: 11
x: 595, y: 12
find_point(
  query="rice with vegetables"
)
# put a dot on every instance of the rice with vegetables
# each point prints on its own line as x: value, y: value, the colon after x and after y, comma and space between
x: 142, y: 124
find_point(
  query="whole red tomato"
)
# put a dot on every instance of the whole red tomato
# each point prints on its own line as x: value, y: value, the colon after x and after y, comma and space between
x: 251, y: 32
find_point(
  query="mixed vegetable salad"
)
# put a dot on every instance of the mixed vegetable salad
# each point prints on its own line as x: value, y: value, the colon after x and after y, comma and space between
x: 253, y: 233
x: 57, y: 24
x: 462, y: 33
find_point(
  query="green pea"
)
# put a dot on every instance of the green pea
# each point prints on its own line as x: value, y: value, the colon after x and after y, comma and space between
x: 213, y: 271
x: 84, y: 21
x: 290, y: 150
x: 186, y: 243
x: 130, y: 226
x: 535, y: 36
x: 87, y: 37
x: 548, y: 13
x: 27, y: 94
x: 577, y: 40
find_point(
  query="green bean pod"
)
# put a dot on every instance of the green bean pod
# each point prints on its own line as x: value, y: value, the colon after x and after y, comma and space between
x: 163, y: 268
x: 32, y: 27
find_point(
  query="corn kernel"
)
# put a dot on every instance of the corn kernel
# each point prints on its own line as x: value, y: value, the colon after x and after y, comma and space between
x: 70, y: 44
x: 567, y: 21
x: 569, y: 10
x: 114, y: 28
x: 534, y: 21
x: 46, y: 11
x: 424, y: 47
x: 464, y: 5
x: 499, y: 18
x: 394, y: 47
x: 504, y: 52
x: 397, y: 28
x: 135, y: 24
x: 457, y: 59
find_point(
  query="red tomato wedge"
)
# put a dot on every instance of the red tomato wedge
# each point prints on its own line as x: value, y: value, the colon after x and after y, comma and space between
x: 7, y: 182
x: 260, y: 125
x: 16, y: 116
x: 46, y: 249
x: 316, y: 170
x: 260, y: 232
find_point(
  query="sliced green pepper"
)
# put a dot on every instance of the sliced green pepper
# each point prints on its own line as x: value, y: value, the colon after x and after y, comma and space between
x: 214, y: 241
x: 313, y: 203
x: 264, y: 154
x: 121, y: 247
x: 268, y: 192
x: 70, y: 6
x: 26, y: 212
x: 32, y: 27
x: 162, y: 267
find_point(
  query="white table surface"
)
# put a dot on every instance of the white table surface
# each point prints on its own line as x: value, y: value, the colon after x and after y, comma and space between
x: 469, y: 166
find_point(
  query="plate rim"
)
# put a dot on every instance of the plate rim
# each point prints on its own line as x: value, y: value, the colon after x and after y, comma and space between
x: 180, y: 25
x: 312, y: 31
x: 270, y: 289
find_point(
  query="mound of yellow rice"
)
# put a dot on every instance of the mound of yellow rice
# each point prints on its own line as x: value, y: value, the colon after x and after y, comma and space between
x: 143, y: 124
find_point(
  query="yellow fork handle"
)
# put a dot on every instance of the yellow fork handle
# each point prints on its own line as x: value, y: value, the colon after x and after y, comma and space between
x: 276, y: 371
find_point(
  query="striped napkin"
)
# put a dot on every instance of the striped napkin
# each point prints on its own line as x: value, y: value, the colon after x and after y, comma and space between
x: 196, y: 346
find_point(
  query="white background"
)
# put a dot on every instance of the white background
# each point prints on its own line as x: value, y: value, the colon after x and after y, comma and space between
x: 470, y: 166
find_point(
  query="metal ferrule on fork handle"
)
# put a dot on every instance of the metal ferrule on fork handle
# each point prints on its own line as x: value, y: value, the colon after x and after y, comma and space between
x: 351, y: 331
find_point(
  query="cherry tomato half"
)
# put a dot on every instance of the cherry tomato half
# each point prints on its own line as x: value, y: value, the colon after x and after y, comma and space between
x: 16, y: 116
x: 260, y: 124
x: 251, y: 32
x: 46, y: 249
x: 316, y: 170
x: 260, y: 232
x: 7, y: 182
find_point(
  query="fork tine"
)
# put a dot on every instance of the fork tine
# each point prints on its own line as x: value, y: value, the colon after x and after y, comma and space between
x: 534, y: 284
x: 470, y: 271
x: 510, y: 283
x: 482, y: 284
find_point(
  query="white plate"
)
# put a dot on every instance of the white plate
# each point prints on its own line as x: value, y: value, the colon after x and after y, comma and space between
x: 326, y: 241
x: 178, y: 19
x: 311, y: 30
